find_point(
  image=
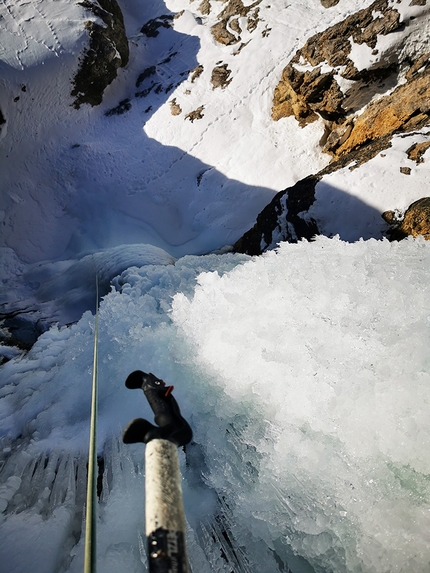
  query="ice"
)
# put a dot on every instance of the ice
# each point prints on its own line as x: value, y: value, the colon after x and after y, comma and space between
x: 62, y: 291
x: 305, y: 376
x: 333, y: 366
x: 8, y: 490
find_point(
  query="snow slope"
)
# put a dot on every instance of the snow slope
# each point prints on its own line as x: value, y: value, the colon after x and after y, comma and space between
x: 74, y: 180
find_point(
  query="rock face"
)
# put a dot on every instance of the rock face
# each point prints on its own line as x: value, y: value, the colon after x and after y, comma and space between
x: 280, y: 220
x: 108, y: 51
x: 416, y: 151
x: 416, y: 221
x: 151, y: 28
x: 346, y: 76
x: 366, y: 78
x: 228, y: 29
x: 406, y: 109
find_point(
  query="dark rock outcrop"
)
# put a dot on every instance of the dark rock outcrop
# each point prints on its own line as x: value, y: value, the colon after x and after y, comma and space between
x: 2, y: 124
x: 285, y: 218
x: 415, y: 222
x: 150, y: 29
x: 120, y: 109
x: 108, y: 50
x: 280, y: 220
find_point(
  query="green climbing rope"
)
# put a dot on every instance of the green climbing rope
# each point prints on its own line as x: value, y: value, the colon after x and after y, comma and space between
x: 91, y: 506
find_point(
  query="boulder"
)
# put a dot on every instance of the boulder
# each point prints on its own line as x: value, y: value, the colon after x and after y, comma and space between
x: 107, y: 51
x: 417, y: 150
x: 415, y: 222
x: 2, y: 125
x: 220, y: 77
x: 205, y: 7
x: 196, y: 114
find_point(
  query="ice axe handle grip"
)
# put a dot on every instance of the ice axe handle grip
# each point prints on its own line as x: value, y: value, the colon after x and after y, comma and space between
x: 167, y: 415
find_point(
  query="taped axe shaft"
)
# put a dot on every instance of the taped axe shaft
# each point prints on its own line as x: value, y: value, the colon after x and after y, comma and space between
x: 165, y: 519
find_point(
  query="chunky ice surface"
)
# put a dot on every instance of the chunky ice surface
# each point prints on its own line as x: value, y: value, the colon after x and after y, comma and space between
x: 305, y: 376
x: 63, y: 290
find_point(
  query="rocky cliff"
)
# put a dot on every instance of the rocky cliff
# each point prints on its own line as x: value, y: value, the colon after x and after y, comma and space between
x: 107, y: 51
x: 366, y: 79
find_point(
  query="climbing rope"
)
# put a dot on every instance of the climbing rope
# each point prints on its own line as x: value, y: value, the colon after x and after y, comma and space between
x: 91, y: 507
x: 165, y: 519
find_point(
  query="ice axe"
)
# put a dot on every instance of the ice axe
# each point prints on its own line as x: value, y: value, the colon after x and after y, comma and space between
x: 164, y: 511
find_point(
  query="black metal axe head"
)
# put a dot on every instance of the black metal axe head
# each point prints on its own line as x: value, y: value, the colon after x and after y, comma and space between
x: 170, y: 423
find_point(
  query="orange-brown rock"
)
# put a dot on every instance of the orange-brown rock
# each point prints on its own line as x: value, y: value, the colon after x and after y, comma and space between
x: 407, y: 108
x: 305, y: 91
x: 205, y: 7
x: 196, y: 73
x: 175, y: 108
x: 304, y: 94
x: 361, y: 110
x: 329, y: 3
x: 415, y: 223
x: 417, y: 151
x: 358, y: 106
x: 220, y: 76
x: 229, y: 18
x: 195, y: 114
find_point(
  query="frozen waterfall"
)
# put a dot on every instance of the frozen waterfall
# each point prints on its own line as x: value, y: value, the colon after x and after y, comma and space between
x: 305, y: 376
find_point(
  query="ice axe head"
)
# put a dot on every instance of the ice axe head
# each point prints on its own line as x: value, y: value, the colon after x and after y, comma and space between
x: 170, y: 423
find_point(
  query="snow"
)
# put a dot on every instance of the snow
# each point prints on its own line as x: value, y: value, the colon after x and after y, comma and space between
x: 65, y: 289
x: 409, y: 40
x: 361, y: 194
x: 134, y: 178
x: 33, y: 33
x: 304, y: 373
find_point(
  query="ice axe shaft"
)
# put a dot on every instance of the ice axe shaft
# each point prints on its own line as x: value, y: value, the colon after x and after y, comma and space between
x: 165, y: 518
x: 164, y: 510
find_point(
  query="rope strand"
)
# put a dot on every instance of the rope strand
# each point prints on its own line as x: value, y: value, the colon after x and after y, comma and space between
x: 91, y: 507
